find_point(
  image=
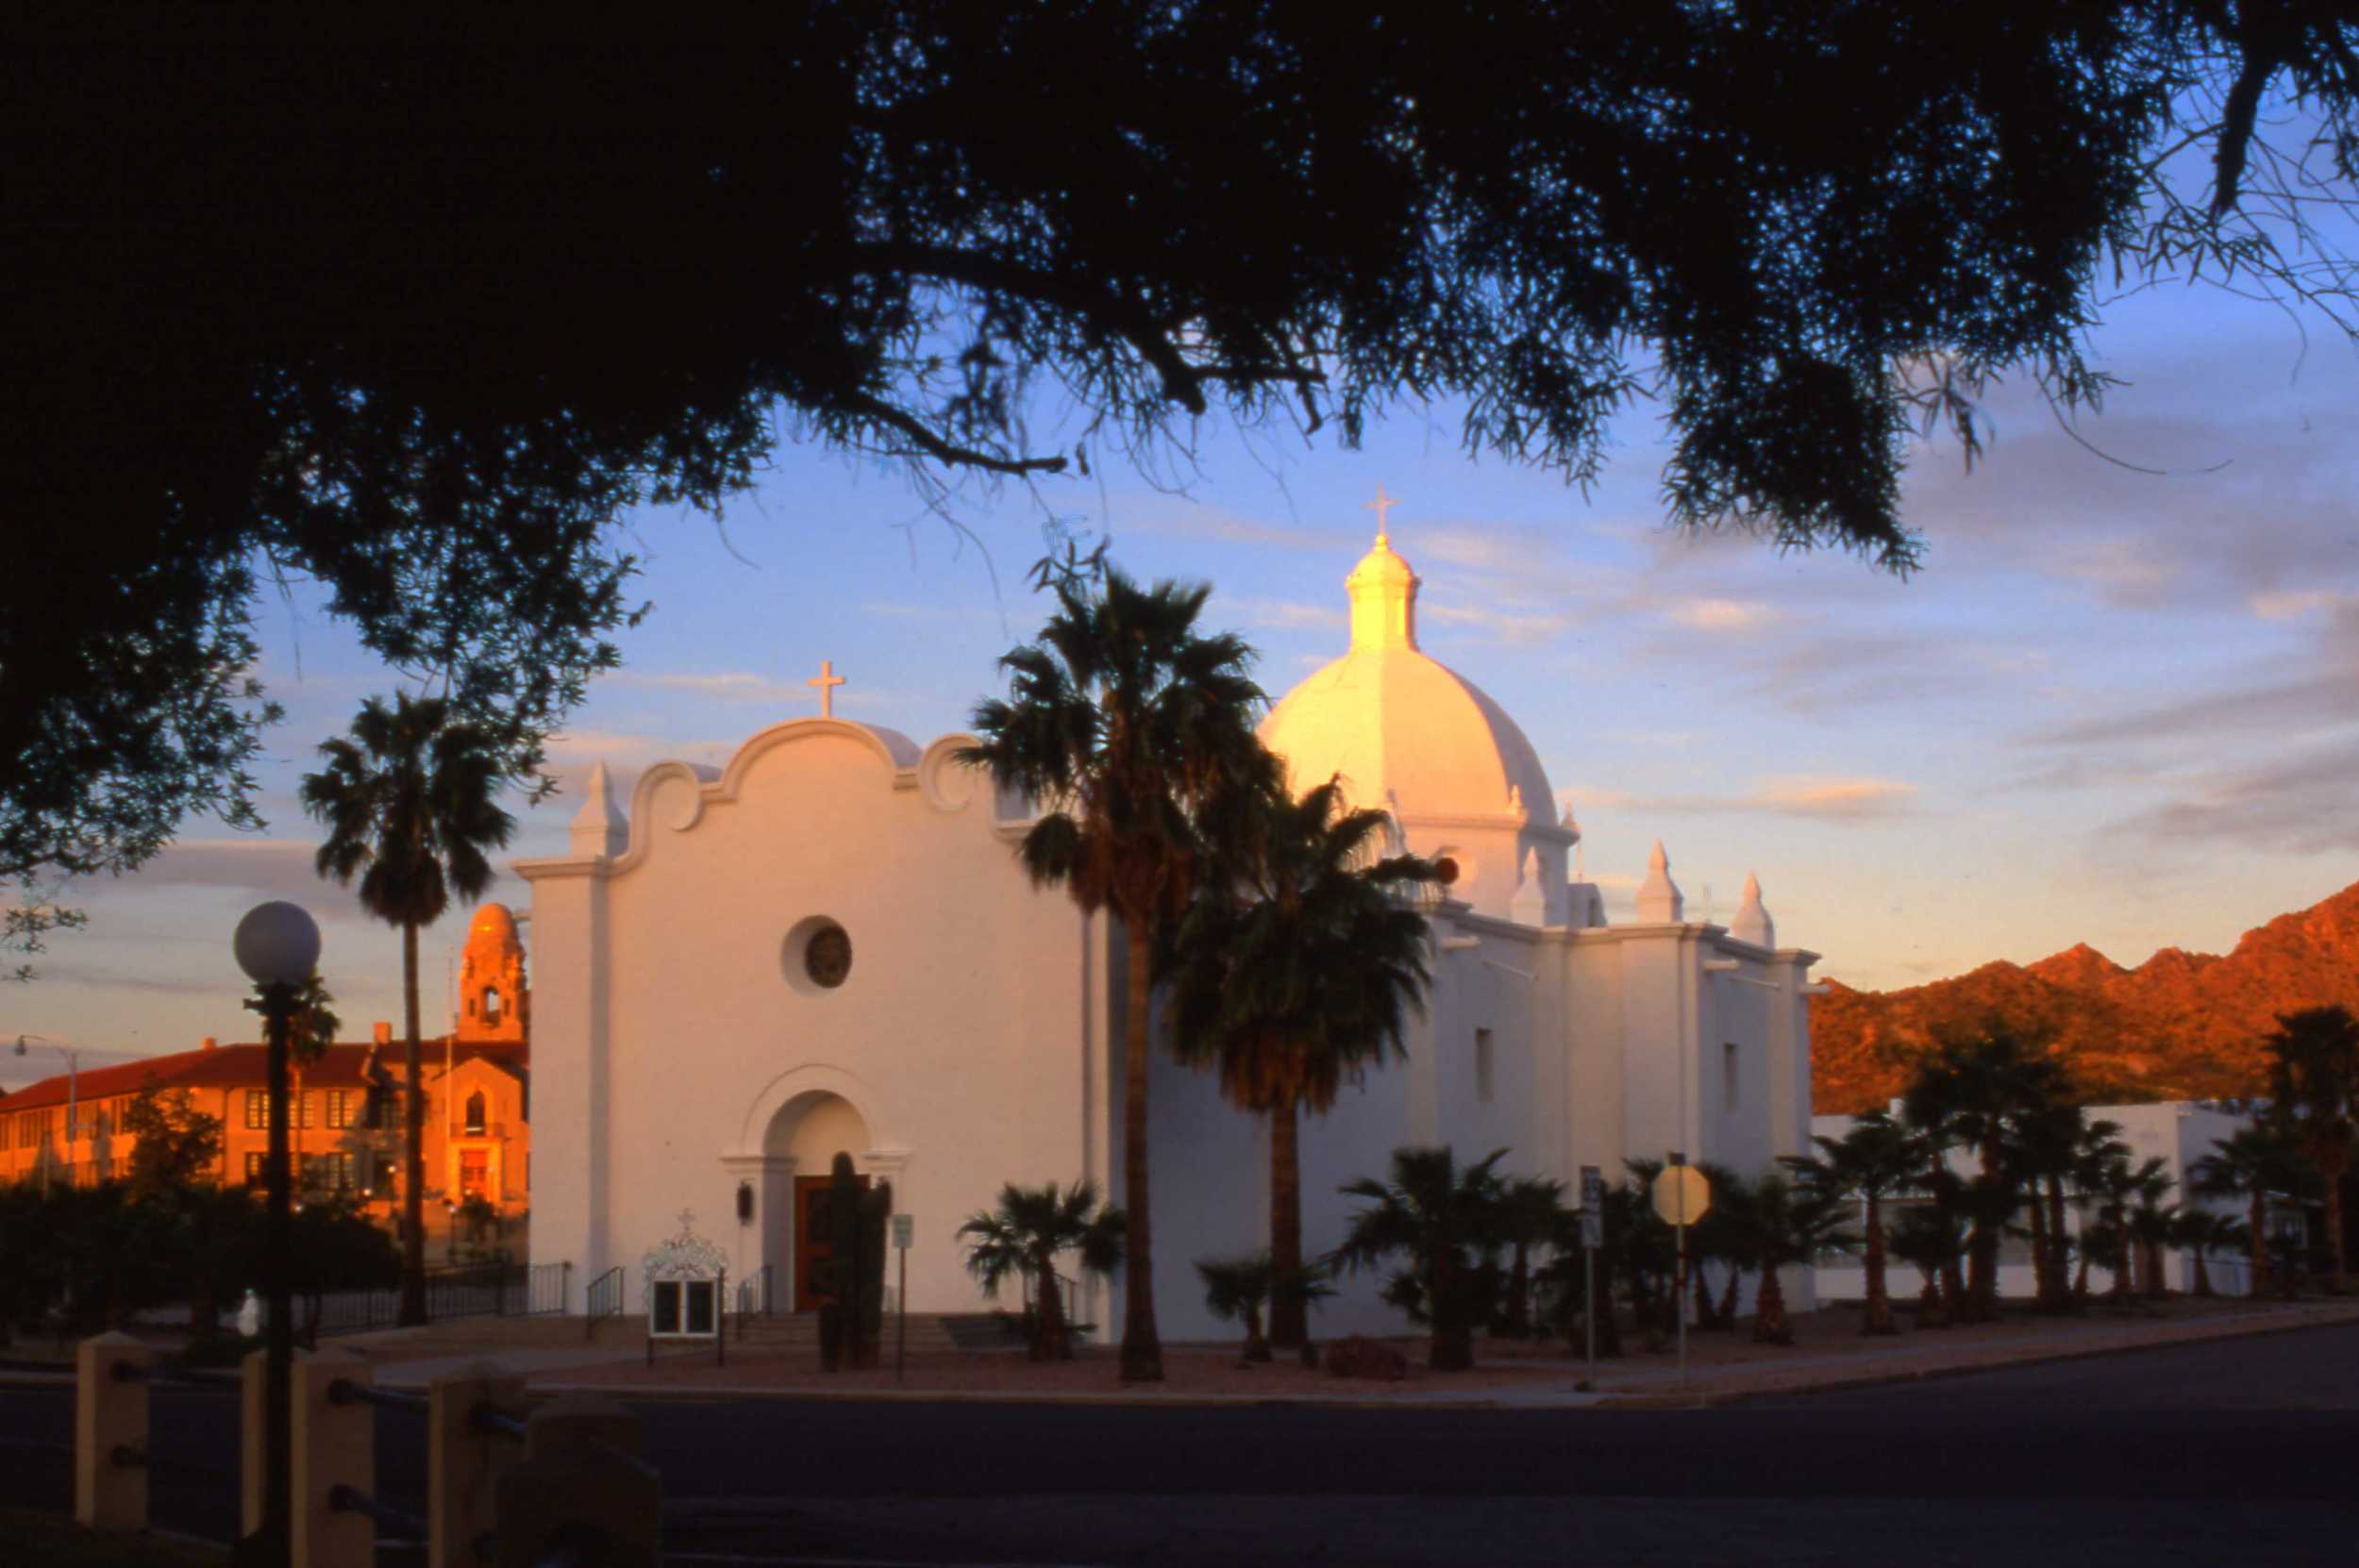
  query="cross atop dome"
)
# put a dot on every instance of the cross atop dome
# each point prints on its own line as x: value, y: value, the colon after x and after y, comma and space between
x: 1380, y: 506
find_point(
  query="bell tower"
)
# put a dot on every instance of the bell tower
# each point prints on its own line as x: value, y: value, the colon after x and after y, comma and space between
x: 493, y: 1002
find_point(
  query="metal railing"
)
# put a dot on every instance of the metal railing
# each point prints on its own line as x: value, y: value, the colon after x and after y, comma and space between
x: 603, y: 1299
x: 485, y: 1290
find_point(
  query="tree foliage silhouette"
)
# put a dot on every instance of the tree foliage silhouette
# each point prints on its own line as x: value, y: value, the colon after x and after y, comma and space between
x: 417, y: 323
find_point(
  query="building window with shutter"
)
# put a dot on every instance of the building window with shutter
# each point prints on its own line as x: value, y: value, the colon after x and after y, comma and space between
x: 339, y: 1108
x: 257, y: 1109
x: 474, y: 1115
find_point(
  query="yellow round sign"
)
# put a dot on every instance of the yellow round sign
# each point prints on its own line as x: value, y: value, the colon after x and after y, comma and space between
x: 1681, y: 1194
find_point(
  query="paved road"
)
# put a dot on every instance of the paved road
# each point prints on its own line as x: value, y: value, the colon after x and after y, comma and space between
x: 2243, y: 1450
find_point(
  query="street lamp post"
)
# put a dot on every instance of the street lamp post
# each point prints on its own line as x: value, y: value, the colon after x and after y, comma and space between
x: 73, y: 1055
x: 277, y: 945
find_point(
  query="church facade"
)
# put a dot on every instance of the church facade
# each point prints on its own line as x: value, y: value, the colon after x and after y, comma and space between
x: 828, y: 944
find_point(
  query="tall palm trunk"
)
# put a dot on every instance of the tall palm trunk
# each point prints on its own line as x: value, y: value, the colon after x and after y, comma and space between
x: 1518, y: 1313
x: 2258, y: 1220
x: 2332, y: 1162
x: 2059, y: 1248
x: 1451, y: 1347
x: 413, y: 1144
x: 1770, y: 1323
x: 2039, y: 1248
x: 1982, y: 1254
x: 1050, y: 1339
x: 2202, y: 1274
x: 1142, y: 1349
x: 1879, y: 1317
x: 1289, y: 1314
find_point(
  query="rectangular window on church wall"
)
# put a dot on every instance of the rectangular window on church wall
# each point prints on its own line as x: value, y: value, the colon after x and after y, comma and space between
x: 1482, y: 1066
x: 1729, y: 1078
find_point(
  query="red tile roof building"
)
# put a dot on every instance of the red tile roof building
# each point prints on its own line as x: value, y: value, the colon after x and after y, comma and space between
x: 345, y: 1137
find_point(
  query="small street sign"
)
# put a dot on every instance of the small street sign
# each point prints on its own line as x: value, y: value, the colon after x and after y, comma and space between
x: 1592, y: 1228
x: 1681, y: 1194
x: 904, y: 1227
x: 1592, y: 1187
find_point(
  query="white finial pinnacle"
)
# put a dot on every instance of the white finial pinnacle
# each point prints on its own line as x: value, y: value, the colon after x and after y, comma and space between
x: 1382, y: 505
x: 598, y: 827
x: 827, y: 681
x: 1752, y: 922
x: 1658, y: 900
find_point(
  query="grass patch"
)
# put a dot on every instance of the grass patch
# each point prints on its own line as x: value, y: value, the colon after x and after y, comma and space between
x: 55, y: 1540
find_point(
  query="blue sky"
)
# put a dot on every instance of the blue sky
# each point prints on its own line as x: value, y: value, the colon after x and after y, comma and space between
x: 2117, y: 705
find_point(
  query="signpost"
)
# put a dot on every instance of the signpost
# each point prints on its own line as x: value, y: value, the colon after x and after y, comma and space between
x: 1592, y: 1238
x: 904, y: 1230
x: 1682, y: 1195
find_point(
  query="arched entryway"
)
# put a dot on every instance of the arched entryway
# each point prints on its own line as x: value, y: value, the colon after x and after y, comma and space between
x: 799, y: 1146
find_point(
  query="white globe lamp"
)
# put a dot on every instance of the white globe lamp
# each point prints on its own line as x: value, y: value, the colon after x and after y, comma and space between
x: 278, y: 943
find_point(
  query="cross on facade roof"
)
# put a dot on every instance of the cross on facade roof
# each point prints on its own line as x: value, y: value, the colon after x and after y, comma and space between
x: 827, y: 681
x: 687, y: 1221
x: 1381, y: 505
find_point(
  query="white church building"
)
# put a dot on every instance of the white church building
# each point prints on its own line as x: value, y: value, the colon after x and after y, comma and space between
x: 829, y: 945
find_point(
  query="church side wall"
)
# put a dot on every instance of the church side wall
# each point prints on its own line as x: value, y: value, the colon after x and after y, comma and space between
x: 1595, y: 1034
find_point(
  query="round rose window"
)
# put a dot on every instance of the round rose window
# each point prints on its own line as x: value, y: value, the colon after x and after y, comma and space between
x: 827, y: 956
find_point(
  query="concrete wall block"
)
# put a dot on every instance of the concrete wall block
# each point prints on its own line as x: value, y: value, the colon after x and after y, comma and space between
x: 464, y: 1464
x: 335, y: 1444
x: 581, y: 1491
x: 110, y: 1429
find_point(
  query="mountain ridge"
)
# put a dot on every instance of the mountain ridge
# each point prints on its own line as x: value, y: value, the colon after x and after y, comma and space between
x: 2181, y: 1026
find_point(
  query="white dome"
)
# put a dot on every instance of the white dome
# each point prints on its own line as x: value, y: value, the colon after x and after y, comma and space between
x: 1409, y: 736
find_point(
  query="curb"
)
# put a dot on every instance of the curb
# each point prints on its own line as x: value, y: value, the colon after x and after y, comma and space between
x: 1665, y: 1399
x: 2250, y: 1327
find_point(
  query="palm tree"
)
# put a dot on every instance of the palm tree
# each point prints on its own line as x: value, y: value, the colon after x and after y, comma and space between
x: 408, y: 801
x: 1775, y: 1224
x: 2251, y: 1163
x: 1929, y: 1237
x: 1442, y: 1219
x: 2314, y: 1089
x: 1532, y: 1212
x: 1294, y: 971
x: 2202, y: 1232
x: 2153, y: 1223
x: 1874, y: 1161
x: 1025, y: 1235
x: 1239, y: 1288
x: 2096, y: 1151
x: 2119, y: 1192
x: 1975, y: 1092
x: 1126, y: 728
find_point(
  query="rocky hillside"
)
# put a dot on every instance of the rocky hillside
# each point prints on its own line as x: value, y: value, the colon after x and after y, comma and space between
x: 2181, y: 1026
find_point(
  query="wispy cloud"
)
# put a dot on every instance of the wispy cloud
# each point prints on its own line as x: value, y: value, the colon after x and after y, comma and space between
x: 719, y: 686
x: 2293, y: 604
x: 1818, y: 797
x: 1835, y: 799
x: 1283, y: 614
x: 2300, y: 805
x: 1720, y: 616
x: 1519, y: 628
